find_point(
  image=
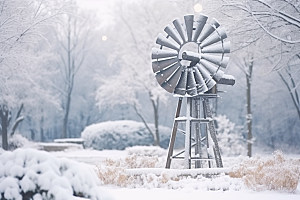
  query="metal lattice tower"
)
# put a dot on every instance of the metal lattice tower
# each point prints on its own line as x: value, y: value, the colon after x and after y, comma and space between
x: 188, y: 64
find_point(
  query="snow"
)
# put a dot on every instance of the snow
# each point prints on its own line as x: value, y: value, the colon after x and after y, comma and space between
x: 178, y: 172
x: 192, y: 194
x: 70, y: 140
x: 26, y: 171
x: 23, y: 169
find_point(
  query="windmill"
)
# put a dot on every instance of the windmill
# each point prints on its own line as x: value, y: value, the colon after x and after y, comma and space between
x: 189, y: 62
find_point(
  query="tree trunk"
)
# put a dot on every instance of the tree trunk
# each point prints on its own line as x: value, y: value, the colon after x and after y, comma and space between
x: 155, y: 109
x: 18, y: 120
x: 249, y: 114
x: 4, y: 126
x: 42, y: 127
x: 66, y: 117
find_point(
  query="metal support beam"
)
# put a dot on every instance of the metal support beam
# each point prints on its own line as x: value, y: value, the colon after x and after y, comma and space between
x: 173, y: 135
x: 187, y: 153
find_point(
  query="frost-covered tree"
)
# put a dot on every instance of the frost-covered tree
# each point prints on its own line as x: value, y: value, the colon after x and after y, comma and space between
x: 131, y: 59
x: 74, y: 38
x: 280, y: 21
x: 21, y: 27
x: 230, y: 139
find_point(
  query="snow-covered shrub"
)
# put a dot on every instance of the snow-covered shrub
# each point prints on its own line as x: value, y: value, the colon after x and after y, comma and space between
x: 33, y: 174
x: 273, y: 173
x: 122, y: 134
x: 231, y: 142
x: 147, y: 151
x: 17, y: 141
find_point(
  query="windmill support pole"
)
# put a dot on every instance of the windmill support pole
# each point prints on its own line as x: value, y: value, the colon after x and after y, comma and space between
x: 173, y: 135
x: 187, y: 152
x: 198, y: 151
x: 212, y: 132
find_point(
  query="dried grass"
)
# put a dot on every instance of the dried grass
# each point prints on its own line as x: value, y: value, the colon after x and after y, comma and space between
x: 274, y: 173
x: 112, y: 172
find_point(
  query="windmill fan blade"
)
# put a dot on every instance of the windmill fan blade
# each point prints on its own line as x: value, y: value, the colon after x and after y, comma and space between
x: 218, y: 60
x: 181, y: 86
x: 162, y: 64
x: 162, y: 40
x: 179, y: 29
x: 173, y: 80
x: 203, y: 61
x: 209, y: 81
x: 201, y: 87
x: 218, y: 35
x: 218, y: 48
x: 159, y: 53
x: 201, y: 21
x: 165, y: 74
x: 189, y: 21
x: 191, y: 83
x: 208, y: 29
x: 224, y: 62
x: 169, y: 30
x: 214, y: 71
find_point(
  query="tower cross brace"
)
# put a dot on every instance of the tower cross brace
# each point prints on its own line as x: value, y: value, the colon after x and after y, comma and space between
x: 193, y: 116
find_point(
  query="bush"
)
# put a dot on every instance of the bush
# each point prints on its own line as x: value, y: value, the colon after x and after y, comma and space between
x: 121, y: 134
x: 231, y: 142
x: 33, y: 174
x: 274, y: 173
x: 16, y: 141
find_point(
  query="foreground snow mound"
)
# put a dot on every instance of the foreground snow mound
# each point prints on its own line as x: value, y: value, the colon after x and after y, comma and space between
x: 121, y: 134
x: 33, y: 174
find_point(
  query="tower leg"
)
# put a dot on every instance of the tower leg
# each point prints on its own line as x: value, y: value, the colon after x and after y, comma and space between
x: 187, y: 152
x: 212, y: 132
x: 173, y: 135
x: 198, y: 150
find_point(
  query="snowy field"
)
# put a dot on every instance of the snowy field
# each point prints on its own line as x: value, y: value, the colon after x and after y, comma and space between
x: 188, y: 189
x: 77, y: 166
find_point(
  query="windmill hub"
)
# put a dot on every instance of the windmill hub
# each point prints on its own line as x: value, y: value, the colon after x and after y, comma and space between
x: 191, y: 47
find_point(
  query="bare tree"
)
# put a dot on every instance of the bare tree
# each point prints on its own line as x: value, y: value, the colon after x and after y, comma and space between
x: 280, y: 21
x: 74, y: 39
x: 246, y: 65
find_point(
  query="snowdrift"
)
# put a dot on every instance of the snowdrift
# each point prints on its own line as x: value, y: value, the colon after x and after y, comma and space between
x: 121, y: 134
x: 33, y: 174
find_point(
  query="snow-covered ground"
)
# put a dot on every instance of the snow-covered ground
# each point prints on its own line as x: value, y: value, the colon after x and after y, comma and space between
x: 187, y: 188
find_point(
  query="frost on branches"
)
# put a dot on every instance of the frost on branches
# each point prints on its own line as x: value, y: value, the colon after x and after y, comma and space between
x: 230, y: 140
